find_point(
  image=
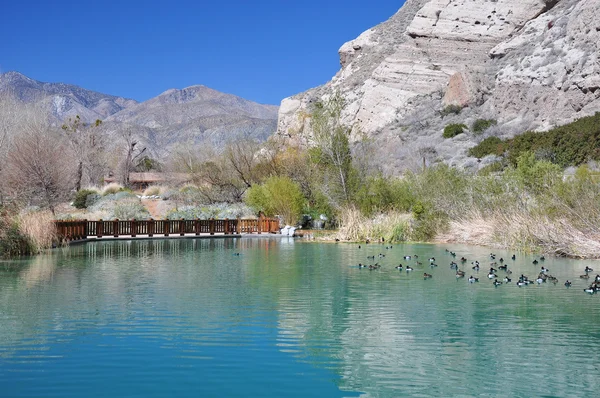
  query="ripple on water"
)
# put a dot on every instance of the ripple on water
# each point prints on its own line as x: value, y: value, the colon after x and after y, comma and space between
x: 188, y: 318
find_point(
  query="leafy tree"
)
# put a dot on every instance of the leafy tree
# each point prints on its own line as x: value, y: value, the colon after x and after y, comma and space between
x: 277, y: 196
x: 332, y: 150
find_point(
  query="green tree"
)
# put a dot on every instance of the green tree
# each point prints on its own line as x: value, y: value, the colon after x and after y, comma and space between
x: 332, y: 151
x: 277, y: 196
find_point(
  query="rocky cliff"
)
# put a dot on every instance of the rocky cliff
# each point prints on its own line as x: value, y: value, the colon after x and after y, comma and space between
x: 529, y: 64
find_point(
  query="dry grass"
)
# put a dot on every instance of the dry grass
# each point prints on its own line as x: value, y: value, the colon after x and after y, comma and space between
x: 153, y: 190
x: 525, y: 232
x: 111, y: 188
x: 39, y: 229
x: 356, y: 227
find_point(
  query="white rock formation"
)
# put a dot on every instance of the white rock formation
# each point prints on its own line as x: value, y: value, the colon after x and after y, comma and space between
x: 528, y: 63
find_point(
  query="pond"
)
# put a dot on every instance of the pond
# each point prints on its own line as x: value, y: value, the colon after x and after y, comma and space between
x: 283, y: 317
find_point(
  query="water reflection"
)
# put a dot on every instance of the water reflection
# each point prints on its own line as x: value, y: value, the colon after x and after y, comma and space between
x: 282, y: 304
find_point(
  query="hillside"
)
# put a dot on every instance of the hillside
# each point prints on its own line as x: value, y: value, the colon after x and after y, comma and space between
x: 61, y: 100
x: 527, y: 64
x: 190, y: 116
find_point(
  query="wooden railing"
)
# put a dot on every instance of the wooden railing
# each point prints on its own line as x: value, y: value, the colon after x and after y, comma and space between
x: 82, y: 229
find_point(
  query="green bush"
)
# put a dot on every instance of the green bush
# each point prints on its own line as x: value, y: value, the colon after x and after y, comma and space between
x: 454, y: 129
x: 381, y: 194
x: 277, y: 196
x: 81, y: 198
x: 489, y: 146
x: 480, y: 125
x: 451, y: 109
x: 570, y: 145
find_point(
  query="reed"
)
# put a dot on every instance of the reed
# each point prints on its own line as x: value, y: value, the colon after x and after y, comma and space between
x: 39, y: 229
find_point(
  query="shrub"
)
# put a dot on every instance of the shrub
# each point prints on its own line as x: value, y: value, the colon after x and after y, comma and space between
x: 81, y: 196
x: 451, y: 109
x: 111, y: 188
x: 380, y: 194
x: 277, y: 196
x: 480, y: 125
x: 489, y: 146
x: 128, y: 210
x: 570, y: 145
x: 153, y: 190
x: 452, y: 130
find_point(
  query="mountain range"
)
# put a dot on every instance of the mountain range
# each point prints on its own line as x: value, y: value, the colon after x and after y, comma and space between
x: 195, y: 114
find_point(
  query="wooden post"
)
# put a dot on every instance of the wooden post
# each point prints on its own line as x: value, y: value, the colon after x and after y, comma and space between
x: 226, y: 226
x: 99, y: 228
x: 211, y: 226
x: 133, y: 228
x: 166, y: 227
x: 85, y: 229
x: 116, y: 228
x: 197, y: 226
x: 181, y: 227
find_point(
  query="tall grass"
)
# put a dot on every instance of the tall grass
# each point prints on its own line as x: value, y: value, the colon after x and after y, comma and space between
x: 530, y: 207
x: 39, y: 229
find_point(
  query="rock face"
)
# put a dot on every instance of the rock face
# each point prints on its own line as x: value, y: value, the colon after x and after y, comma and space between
x: 530, y: 64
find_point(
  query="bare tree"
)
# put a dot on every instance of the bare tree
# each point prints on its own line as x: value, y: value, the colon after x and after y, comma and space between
x: 133, y: 151
x: 85, y: 144
x: 39, y: 166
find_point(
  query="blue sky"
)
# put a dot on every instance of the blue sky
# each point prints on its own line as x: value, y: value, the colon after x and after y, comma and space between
x: 261, y: 50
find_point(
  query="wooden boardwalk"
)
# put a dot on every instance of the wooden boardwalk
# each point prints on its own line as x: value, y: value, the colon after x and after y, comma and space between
x: 83, y: 229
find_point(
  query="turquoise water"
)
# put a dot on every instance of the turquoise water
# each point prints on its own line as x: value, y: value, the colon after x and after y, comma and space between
x: 289, y: 318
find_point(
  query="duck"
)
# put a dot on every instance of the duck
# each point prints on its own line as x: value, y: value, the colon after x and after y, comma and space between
x: 590, y: 290
x: 433, y: 265
x: 492, y: 269
x: 503, y: 267
x: 513, y: 257
x: 432, y: 260
x: 544, y: 270
x: 407, y: 257
x: 473, y: 280
x: 501, y: 260
x: 507, y: 279
x: 370, y: 257
x: 427, y: 276
x: 521, y: 283
x: 491, y: 275
x: 476, y: 267
x: 497, y: 283
x: 399, y: 267
x: 539, y: 281
x: 460, y: 274
x: 409, y: 268
x: 463, y: 260
x: 584, y: 276
x: 568, y: 283
x: 453, y: 254
x: 453, y: 265
x: 535, y: 261
x: 359, y: 246
x: 597, y: 279
x: 492, y: 256
x: 362, y: 266
x: 542, y: 258
x: 588, y: 269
